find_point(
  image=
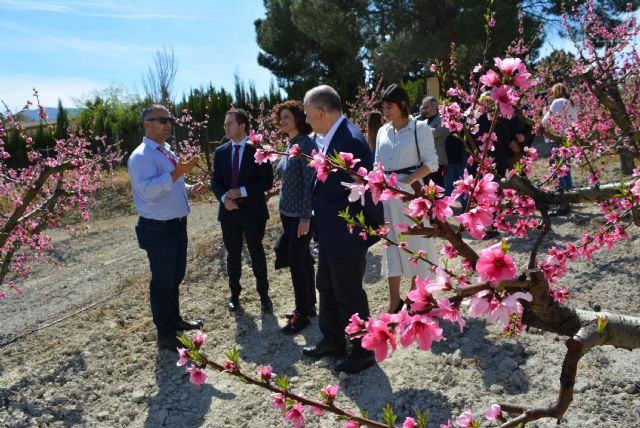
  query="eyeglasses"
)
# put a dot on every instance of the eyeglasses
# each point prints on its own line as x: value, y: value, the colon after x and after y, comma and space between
x: 163, y: 120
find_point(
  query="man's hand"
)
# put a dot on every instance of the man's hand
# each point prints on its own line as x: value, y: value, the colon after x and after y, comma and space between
x: 230, y: 204
x: 184, y: 167
x: 198, y: 189
x: 514, y: 146
x: 233, y: 194
x: 303, y: 227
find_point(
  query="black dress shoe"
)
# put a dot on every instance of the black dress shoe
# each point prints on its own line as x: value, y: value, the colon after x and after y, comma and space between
x: 356, y: 363
x: 170, y: 344
x: 312, y: 313
x: 189, y: 325
x: 233, y: 304
x: 323, y: 348
x: 296, y: 324
x: 265, y: 305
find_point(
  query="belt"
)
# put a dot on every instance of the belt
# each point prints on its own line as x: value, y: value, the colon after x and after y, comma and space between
x: 407, y: 170
x: 171, y: 220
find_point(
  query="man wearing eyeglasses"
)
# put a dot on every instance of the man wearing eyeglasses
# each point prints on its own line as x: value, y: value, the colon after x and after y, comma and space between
x: 160, y: 196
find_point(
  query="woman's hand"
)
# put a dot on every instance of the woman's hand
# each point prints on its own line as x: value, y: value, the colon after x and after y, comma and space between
x: 303, y: 227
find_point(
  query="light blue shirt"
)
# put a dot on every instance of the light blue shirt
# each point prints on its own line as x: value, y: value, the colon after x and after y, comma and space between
x: 155, y: 194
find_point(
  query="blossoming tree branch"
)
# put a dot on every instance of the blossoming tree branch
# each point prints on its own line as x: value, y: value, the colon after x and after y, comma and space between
x: 36, y: 197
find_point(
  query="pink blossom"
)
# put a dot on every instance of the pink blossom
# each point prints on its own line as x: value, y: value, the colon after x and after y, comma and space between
x: 356, y: 326
x: 419, y: 207
x: 229, y: 366
x: 295, y: 415
x: 348, y: 159
x: 330, y: 392
x: 198, y: 338
x: 197, y: 375
x: 505, y: 97
x: 358, y: 191
x: 278, y: 401
x: 420, y: 328
x: 265, y: 373
x: 441, y: 208
x: 449, y: 251
x: 321, y: 165
x: 507, y: 306
x: 317, y: 410
x: 265, y: 154
x: 294, y: 151
x: 447, y: 425
x: 494, y: 265
x: 254, y: 139
x: 351, y: 423
x: 477, y: 68
x: 486, y: 190
x: 491, y: 22
x: 409, y: 423
x: 475, y: 221
x: 448, y: 312
x: 480, y: 303
x: 433, y: 68
x: 376, y: 339
x: 465, y: 419
x: 490, y: 78
x: 494, y: 413
x: 184, y: 357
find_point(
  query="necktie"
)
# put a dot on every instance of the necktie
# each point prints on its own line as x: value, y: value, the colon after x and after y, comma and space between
x: 169, y: 155
x: 235, y: 167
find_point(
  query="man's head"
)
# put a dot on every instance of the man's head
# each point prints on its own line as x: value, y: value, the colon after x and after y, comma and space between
x: 429, y: 107
x: 157, y: 123
x: 236, y: 124
x: 323, y: 107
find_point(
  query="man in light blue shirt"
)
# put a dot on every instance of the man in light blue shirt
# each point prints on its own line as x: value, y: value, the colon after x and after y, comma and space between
x: 160, y: 196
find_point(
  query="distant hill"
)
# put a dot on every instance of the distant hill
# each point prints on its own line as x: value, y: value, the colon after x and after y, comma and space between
x: 32, y: 115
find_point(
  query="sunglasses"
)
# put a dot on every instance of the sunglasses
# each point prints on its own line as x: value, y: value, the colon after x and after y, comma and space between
x: 162, y: 120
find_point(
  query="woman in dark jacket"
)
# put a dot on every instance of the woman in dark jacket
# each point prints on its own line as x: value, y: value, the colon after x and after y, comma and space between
x: 295, y: 212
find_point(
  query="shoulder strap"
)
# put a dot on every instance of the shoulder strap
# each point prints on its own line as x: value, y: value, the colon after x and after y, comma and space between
x: 415, y: 134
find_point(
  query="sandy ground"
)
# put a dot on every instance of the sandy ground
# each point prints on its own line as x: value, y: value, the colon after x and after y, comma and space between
x: 101, y: 366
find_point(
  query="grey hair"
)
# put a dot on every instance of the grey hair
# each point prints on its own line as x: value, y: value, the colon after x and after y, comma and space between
x: 432, y: 100
x: 150, y: 109
x: 324, y: 96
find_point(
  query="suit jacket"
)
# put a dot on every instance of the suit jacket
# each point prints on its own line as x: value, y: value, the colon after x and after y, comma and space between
x: 330, y: 197
x: 255, y: 178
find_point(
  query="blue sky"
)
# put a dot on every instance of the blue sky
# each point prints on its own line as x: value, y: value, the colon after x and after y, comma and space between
x: 69, y: 48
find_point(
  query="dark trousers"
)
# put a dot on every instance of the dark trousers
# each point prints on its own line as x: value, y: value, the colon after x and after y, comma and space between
x: 339, y: 283
x: 300, y: 265
x: 235, y: 228
x: 166, y: 247
x: 437, y: 176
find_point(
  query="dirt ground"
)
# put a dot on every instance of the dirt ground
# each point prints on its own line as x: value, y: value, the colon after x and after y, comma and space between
x: 101, y: 367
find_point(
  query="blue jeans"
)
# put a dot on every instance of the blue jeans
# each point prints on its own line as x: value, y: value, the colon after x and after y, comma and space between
x: 455, y: 171
x: 566, y: 182
x: 166, y: 247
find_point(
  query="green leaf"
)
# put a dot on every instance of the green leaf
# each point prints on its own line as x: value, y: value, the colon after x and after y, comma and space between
x: 186, y: 342
x: 233, y: 355
x: 283, y: 382
x: 422, y: 418
x: 389, y: 417
x: 505, y: 246
x: 602, y: 323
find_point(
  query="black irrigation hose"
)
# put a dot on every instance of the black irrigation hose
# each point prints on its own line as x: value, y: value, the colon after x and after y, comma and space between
x: 42, y: 327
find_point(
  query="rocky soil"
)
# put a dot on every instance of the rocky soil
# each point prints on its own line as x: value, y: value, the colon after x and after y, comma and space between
x: 100, y: 367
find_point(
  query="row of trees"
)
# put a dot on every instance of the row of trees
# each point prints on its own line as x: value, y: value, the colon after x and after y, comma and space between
x: 396, y: 39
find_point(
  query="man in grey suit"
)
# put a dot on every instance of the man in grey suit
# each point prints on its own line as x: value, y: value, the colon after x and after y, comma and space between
x: 429, y: 112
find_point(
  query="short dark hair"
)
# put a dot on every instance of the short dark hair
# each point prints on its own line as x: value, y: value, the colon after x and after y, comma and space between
x: 240, y: 116
x: 151, y: 108
x: 324, y: 96
x: 297, y: 109
x: 395, y: 94
x: 432, y: 100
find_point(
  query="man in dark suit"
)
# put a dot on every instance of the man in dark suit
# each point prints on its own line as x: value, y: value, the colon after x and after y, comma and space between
x: 240, y: 184
x: 342, y: 255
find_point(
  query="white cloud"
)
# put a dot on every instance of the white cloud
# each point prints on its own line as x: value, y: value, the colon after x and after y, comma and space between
x: 16, y: 90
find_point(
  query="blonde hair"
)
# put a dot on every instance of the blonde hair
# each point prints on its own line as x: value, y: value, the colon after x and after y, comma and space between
x: 559, y: 90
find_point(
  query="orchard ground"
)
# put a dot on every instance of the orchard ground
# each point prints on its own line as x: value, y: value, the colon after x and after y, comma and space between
x: 101, y: 367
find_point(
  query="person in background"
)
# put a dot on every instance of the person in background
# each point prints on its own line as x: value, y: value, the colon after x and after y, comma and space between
x: 404, y: 146
x: 561, y: 115
x: 295, y: 212
x: 374, y: 122
x: 240, y: 184
x: 429, y: 113
x: 160, y: 196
